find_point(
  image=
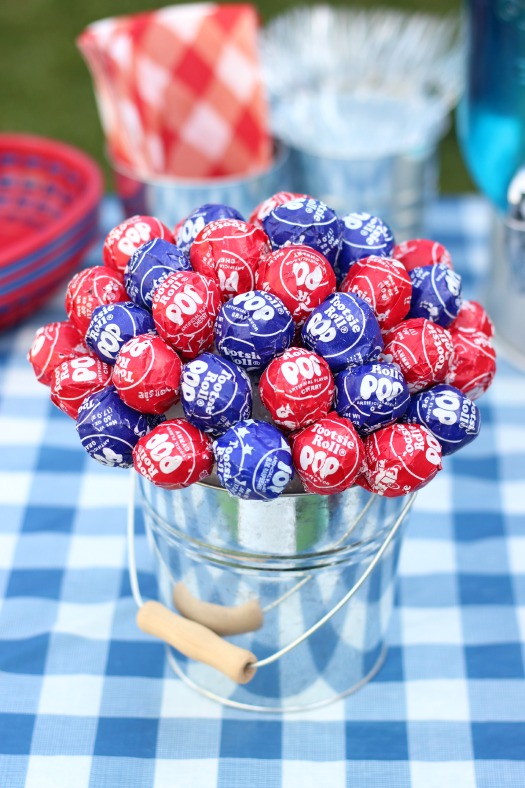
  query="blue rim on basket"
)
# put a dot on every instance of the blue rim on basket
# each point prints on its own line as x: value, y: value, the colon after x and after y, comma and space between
x: 49, y: 198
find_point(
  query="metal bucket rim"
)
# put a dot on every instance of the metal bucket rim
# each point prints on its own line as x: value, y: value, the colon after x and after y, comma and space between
x: 329, y: 556
x: 281, y: 155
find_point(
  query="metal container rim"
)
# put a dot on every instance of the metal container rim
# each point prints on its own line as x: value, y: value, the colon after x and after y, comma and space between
x: 281, y: 155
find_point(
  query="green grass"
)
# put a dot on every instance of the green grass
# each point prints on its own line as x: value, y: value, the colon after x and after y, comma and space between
x: 46, y: 89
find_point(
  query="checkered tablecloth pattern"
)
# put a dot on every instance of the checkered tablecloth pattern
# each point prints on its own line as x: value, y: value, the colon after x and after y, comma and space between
x: 86, y: 700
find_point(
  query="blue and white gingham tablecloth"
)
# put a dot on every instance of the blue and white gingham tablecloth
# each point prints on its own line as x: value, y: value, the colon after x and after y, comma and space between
x: 87, y: 700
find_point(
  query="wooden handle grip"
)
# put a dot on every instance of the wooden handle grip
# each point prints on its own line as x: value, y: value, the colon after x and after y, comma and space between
x: 196, y: 642
x: 220, y: 619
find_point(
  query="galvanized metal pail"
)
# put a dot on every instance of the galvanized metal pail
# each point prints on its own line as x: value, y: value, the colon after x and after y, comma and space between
x: 171, y: 199
x: 303, y: 586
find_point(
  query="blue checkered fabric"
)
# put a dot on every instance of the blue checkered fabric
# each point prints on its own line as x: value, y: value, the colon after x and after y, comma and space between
x: 87, y: 700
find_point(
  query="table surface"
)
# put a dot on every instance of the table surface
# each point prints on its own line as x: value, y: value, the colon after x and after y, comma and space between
x: 88, y: 700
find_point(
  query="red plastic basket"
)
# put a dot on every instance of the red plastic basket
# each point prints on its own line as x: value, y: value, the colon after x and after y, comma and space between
x: 49, y: 199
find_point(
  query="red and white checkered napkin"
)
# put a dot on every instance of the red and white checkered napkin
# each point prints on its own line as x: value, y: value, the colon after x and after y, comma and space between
x: 180, y: 90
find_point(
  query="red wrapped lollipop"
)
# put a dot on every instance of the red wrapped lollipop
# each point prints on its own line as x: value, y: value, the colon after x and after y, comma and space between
x: 471, y: 318
x: 297, y: 388
x: 422, y: 350
x: 421, y: 251
x: 53, y: 344
x: 474, y: 363
x: 174, y: 455
x: 328, y: 455
x: 184, y: 309
x: 229, y: 251
x: 76, y: 379
x: 147, y: 374
x: 264, y: 208
x: 90, y: 288
x: 126, y: 238
x: 301, y: 277
x: 400, y: 459
x: 385, y: 284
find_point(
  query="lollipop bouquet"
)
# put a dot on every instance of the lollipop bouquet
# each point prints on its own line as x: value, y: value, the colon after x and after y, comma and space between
x: 359, y: 358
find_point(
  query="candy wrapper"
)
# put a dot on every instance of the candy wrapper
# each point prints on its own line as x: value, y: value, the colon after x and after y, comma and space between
x: 184, y: 309
x: 362, y: 235
x: 297, y: 388
x: 384, y: 284
x: 422, y: 350
x: 305, y: 222
x: 344, y: 331
x: 89, y: 289
x: 147, y: 374
x: 261, y: 211
x: 301, y: 277
x: 400, y: 459
x: 474, y: 363
x: 254, y: 460
x: 448, y: 414
x: 371, y: 395
x: 421, y: 251
x: 229, y: 251
x: 126, y: 238
x: 328, y: 455
x: 436, y: 293
x: 109, y: 429
x: 149, y: 266
x: 174, y: 455
x: 252, y: 328
x: 53, y: 344
x: 188, y: 229
x: 180, y: 90
x: 472, y: 318
x: 76, y: 379
x: 216, y: 393
x: 112, y: 326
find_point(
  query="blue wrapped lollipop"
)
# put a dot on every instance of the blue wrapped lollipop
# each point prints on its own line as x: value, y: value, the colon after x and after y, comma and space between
x: 344, y: 331
x: 362, y: 235
x: 253, y: 328
x: 187, y: 230
x: 371, y: 396
x: 254, y: 461
x: 307, y: 222
x: 149, y: 266
x: 109, y: 429
x: 113, y: 324
x: 449, y: 415
x: 436, y: 293
x: 215, y: 393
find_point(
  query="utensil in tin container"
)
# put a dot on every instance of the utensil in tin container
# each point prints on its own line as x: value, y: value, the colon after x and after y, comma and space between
x: 363, y: 98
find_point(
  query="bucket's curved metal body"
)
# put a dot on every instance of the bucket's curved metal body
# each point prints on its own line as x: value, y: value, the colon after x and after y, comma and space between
x: 297, y: 557
x: 172, y: 199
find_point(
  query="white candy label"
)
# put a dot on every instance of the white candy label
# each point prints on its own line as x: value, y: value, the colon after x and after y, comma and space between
x: 110, y: 340
x: 319, y: 461
x: 303, y: 276
x: 383, y: 388
x: 81, y: 370
x: 321, y: 328
x: 134, y: 237
x: 185, y: 302
x: 306, y: 366
x: 447, y: 404
x: 160, y: 448
x: 256, y: 304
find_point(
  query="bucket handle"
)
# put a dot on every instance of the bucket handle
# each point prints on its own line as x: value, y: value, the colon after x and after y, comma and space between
x: 199, y: 642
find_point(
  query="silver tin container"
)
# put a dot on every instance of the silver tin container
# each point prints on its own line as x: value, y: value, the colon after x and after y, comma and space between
x: 398, y: 188
x: 172, y: 199
x: 321, y: 571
